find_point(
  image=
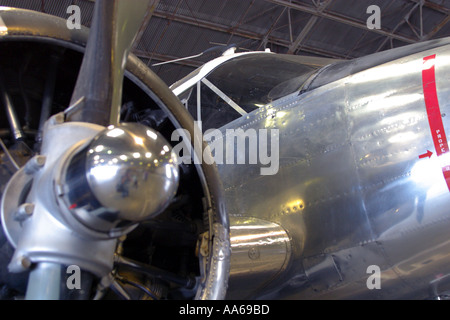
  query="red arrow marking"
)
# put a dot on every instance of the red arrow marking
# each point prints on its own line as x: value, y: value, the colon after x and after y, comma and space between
x: 426, y: 155
x: 434, y: 111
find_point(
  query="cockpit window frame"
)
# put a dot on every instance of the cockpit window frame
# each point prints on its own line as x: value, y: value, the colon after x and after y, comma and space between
x: 185, y: 87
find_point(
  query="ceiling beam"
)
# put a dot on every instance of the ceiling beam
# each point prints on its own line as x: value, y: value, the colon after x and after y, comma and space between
x: 438, y: 8
x: 241, y: 33
x: 309, y: 25
x: 241, y: 19
x: 305, y: 31
x: 404, y: 20
x: 434, y: 6
x: 437, y: 28
x: 341, y: 19
x: 266, y: 36
x: 148, y: 15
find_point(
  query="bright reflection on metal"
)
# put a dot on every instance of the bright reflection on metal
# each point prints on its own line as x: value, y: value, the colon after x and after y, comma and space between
x: 138, y: 140
x: 428, y: 64
x: 264, y: 238
x: 281, y: 114
x: 130, y: 175
x: 260, y: 250
x: 115, y: 132
x: 386, y: 71
x: 105, y: 172
x: 403, y: 137
x: 3, y: 27
x: 270, y: 112
x: 400, y: 100
x: 407, y: 118
x: 296, y: 204
x: 168, y: 172
x: 152, y: 134
x: 386, y: 100
x: 427, y: 174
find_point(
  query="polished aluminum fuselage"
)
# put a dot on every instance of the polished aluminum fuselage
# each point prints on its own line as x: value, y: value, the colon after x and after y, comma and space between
x: 351, y: 191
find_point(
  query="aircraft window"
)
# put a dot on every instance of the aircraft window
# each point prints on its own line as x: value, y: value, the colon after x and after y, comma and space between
x: 242, y: 85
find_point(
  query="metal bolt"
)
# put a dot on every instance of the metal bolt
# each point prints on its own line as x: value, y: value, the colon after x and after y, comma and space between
x: 253, y: 253
x: 57, y: 119
x: 59, y: 189
x: 35, y: 164
x: 25, y: 262
x: 24, y: 212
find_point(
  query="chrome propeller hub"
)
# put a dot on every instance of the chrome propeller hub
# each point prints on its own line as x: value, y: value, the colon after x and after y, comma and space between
x: 126, y: 174
x: 100, y: 183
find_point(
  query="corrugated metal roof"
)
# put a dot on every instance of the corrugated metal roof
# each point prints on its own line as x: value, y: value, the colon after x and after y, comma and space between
x: 330, y: 28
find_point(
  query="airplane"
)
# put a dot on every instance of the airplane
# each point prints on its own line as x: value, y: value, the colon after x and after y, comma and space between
x: 357, y: 191
x: 258, y: 176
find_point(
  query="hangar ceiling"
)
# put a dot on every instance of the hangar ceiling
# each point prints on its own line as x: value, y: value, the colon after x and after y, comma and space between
x: 328, y: 28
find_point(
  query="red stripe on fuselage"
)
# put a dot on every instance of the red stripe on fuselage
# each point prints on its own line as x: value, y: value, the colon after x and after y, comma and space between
x: 434, y: 111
